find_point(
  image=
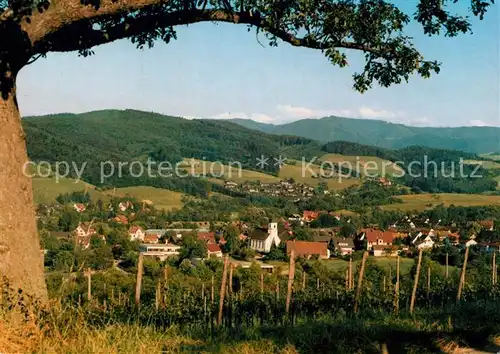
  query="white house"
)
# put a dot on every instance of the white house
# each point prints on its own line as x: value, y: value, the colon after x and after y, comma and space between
x: 85, y: 229
x: 261, y: 240
x: 79, y: 207
x: 213, y: 250
x: 415, y: 239
x: 161, y: 251
x: 425, y: 243
x: 470, y: 242
x: 136, y: 233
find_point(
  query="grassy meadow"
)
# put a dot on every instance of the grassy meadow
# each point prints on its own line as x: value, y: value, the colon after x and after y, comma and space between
x: 366, y: 165
x: 231, y: 173
x: 424, y: 201
x: 161, y: 198
x: 485, y: 164
x: 46, y: 190
x: 295, y: 172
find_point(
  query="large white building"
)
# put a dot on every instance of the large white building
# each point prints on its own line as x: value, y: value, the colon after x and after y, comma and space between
x: 262, y: 239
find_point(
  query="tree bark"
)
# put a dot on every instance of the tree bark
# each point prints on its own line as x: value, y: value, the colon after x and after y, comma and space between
x: 21, y: 259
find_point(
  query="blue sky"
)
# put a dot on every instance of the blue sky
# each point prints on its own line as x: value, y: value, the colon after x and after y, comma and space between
x: 221, y: 71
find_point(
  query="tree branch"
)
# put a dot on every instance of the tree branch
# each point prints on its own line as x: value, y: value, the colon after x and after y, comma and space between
x: 81, y: 33
x: 62, y: 13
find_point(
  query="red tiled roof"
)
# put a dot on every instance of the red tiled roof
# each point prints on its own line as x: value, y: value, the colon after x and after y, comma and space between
x: 305, y: 248
x: 121, y: 219
x: 150, y: 238
x: 487, y: 224
x: 310, y: 215
x: 213, y: 247
x: 209, y: 237
x: 79, y: 206
x: 373, y: 235
x: 134, y: 229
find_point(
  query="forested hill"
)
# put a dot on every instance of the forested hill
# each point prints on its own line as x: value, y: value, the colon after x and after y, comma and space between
x: 384, y: 134
x: 125, y: 136
x: 134, y: 135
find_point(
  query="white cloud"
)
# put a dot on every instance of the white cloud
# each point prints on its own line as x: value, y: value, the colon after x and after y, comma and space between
x: 367, y: 112
x: 298, y: 112
x: 479, y: 123
x: 258, y: 117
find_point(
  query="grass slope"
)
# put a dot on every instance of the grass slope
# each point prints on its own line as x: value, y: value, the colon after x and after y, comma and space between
x: 423, y: 201
x: 161, y: 198
x: 366, y: 165
x: 46, y: 190
x: 302, y: 175
x: 226, y: 172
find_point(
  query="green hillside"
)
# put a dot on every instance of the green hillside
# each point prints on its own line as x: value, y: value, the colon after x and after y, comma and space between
x: 384, y: 134
x: 100, y: 141
x: 124, y: 136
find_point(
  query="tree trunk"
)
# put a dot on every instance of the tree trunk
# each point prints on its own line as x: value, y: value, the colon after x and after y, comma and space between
x: 21, y: 259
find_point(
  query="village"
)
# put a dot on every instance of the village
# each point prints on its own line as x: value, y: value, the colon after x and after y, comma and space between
x: 402, y: 238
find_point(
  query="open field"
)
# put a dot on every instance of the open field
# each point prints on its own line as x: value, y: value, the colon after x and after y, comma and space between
x: 296, y: 172
x: 423, y: 201
x: 484, y: 164
x: 231, y: 173
x: 366, y: 165
x: 493, y: 156
x: 161, y: 198
x: 46, y: 190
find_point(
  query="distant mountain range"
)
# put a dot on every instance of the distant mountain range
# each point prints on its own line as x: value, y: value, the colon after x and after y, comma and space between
x: 384, y: 134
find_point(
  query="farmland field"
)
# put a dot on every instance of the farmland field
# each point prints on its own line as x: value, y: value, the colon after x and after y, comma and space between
x: 161, y: 198
x: 484, y: 164
x: 493, y: 156
x: 424, y: 201
x: 295, y: 172
x: 46, y: 190
x: 366, y: 165
x: 231, y: 173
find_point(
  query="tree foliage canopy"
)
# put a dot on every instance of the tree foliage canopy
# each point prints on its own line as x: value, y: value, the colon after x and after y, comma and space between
x: 32, y: 28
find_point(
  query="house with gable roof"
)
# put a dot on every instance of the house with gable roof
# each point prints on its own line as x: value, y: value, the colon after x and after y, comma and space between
x: 262, y: 239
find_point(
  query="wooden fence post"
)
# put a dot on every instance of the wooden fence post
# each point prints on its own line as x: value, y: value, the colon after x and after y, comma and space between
x: 88, y: 273
x: 138, y: 283
x: 277, y: 288
x: 291, y: 276
x: 351, y: 282
x: 428, y: 281
x: 462, y: 275
x: 415, y: 283
x: 494, y: 269
x: 304, y: 275
x: 446, y: 265
x: 222, y: 290
x: 346, y: 279
x: 212, y: 292
x: 231, y: 266
x: 317, y: 284
x: 157, y: 296
x: 165, y: 275
x: 396, y: 289
x: 360, y: 282
x: 261, y: 284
